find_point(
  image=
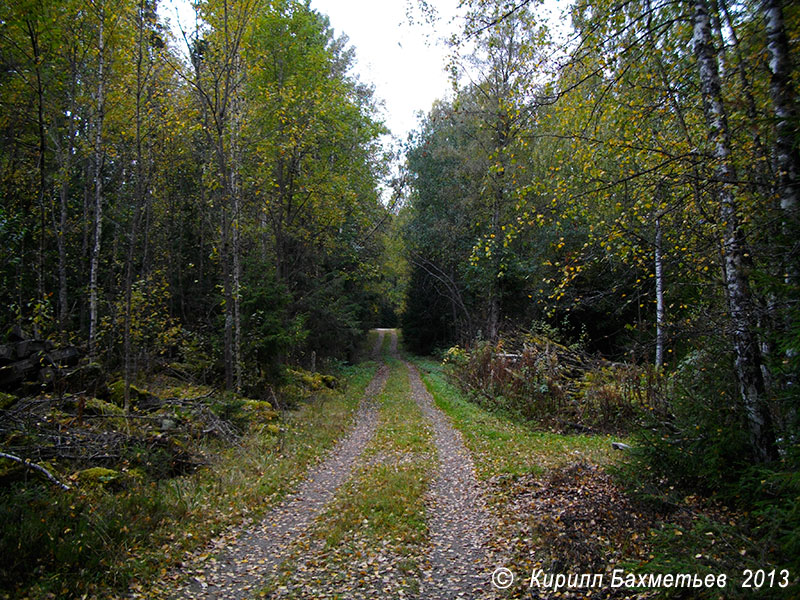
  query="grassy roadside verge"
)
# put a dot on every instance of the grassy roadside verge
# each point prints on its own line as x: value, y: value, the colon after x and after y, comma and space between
x: 500, y: 446
x: 371, y: 540
x: 102, y: 539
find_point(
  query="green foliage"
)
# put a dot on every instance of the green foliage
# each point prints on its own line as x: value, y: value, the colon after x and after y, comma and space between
x: 700, y: 441
x: 263, y: 145
x: 154, y: 333
x: 700, y: 445
x: 773, y: 493
x: 270, y: 331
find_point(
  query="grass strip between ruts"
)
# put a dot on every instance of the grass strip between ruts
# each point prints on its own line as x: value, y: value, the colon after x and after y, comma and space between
x: 373, y: 537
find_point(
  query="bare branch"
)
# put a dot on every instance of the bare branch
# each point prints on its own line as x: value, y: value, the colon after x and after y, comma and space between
x: 30, y: 465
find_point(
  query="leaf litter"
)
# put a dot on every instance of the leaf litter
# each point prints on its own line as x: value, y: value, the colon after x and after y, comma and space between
x: 236, y: 563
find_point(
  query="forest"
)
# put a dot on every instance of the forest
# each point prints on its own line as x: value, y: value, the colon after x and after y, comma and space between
x: 596, y: 230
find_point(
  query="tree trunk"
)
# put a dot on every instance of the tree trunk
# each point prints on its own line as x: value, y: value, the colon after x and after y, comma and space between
x: 228, y: 295
x: 63, y: 196
x: 236, y: 279
x: 786, y: 154
x: 659, y: 268
x: 745, y: 342
x: 128, y: 371
x: 235, y: 190
x: 502, y: 140
x: 33, y: 34
x: 98, y: 187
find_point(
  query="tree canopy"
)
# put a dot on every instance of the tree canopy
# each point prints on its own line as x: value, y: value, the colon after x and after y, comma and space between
x: 220, y: 210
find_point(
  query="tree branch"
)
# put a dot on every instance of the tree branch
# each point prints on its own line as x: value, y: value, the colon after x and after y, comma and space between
x: 27, y: 463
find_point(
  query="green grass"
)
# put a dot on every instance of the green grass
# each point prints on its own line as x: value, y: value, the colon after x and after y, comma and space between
x: 97, y: 540
x: 380, y: 512
x: 388, y: 494
x: 501, y: 446
x: 387, y: 343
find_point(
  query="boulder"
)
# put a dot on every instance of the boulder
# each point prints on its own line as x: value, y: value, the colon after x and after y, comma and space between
x: 95, y: 406
x: 68, y: 356
x: 13, y: 375
x: 8, y: 353
x: 18, y: 334
x: 27, y: 348
x: 142, y: 399
x: 26, y: 364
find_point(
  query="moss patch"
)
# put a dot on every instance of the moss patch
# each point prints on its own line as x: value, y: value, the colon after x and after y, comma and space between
x: 97, y: 476
x: 7, y: 400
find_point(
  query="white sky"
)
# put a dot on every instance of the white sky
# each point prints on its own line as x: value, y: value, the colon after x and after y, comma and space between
x: 404, y: 62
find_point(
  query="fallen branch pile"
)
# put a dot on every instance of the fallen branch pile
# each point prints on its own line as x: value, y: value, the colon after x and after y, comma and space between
x: 557, y: 386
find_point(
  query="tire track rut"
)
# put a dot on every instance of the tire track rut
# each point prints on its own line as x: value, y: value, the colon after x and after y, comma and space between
x: 247, y: 556
x: 459, y: 521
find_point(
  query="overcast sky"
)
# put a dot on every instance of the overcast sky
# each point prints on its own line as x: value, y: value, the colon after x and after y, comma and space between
x: 405, y: 62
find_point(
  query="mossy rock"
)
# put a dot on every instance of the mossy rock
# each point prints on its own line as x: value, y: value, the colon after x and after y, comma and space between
x: 95, y: 406
x: 259, y: 410
x: 7, y: 400
x: 313, y: 381
x: 140, y: 398
x: 97, y: 476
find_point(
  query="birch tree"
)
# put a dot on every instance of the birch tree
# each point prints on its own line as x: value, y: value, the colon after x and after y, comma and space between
x: 745, y: 341
x: 217, y: 80
x: 98, y: 162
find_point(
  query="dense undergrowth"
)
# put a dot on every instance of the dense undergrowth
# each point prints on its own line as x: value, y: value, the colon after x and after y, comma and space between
x: 558, y: 387
x: 174, y: 483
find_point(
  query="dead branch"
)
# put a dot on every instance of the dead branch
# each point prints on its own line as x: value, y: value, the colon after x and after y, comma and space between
x: 30, y: 465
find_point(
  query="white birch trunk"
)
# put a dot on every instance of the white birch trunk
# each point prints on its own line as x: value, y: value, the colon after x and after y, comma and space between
x: 745, y: 342
x: 94, y: 262
x: 786, y: 155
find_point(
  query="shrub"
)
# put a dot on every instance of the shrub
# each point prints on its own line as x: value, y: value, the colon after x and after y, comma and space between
x: 553, y: 385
